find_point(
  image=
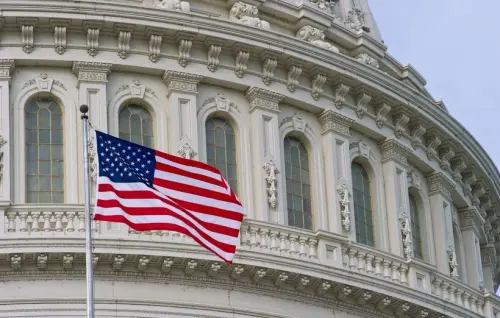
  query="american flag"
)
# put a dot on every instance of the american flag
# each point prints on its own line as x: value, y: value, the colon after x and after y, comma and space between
x: 151, y: 190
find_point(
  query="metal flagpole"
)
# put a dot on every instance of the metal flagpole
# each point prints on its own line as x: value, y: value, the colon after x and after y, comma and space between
x: 84, y: 109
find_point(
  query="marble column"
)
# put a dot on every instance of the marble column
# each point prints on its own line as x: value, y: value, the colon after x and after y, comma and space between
x: 335, y: 139
x: 182, y: 89
x: 269, y: 195
x: 488, y: 262
x: 395, y: 168
x: 6, y: 68
x: 471, y: 224
x: 439, y: 186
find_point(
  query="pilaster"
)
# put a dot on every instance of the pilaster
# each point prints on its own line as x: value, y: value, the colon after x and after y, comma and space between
x: 6, y: 68
x: 471, y: 232
x: 395, y: 168
x: 439, y: 187
x: 488, y: 262
x: 182, y: 89
x: 266, y: 155
x: 335, y: 139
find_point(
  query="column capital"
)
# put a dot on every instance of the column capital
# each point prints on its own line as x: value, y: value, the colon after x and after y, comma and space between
x: 91, y: 71
x: 392, y: 150
x: 488, y: 255
x: 439, y: 183
x: 6, y: 67
x: 470, y: 218
x: 336, y: 123
x: 263, y: 99
x: 181, y: 82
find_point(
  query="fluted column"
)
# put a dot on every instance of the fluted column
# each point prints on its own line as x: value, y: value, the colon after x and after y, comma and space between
x: 6, y: 67
x: 471, y: 227
x: 265, y: 155
x: 335, y: 139
x: 440, y: 202
x: 182, y: 89
x: 395, y: 167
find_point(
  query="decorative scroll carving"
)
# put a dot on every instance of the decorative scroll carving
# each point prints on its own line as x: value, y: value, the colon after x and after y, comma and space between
x: 293, y: 77
x: 247, y: 14
x: 154, y: 47
x: 343, y: 192
x: 185, y: 151
x: 364, y: 149
x: 401, y: 120
x: 340, y: 94
x: 184, y: 52
x: 271, y: 180
x: 241, y: 63
x: 477, y: 192
x: 416, y: 132
x: 445, y: 154
x: 44, y: 83
x: 176, y: 5
x: 452, y: 260
x: 432, y: 143
x: 317, y: 86
x: 362, y: 102
x: 268, y: 70
x: 316, y: 37
x: 137, y: 89
x: 297, y: 121
x: 60, y: 39
x: 368, y: 60
x: 213, y: 57
x: 124, y: 43
x: 222, y: 103
x: 92, y: 41
x: 3, y: 142
x: 405, y: 223
x: 457, y: 166
x: 414, y: 180
x: 381, y: 111
x: 264, y: 99
x: 27, y: 38
x: 335, y: 122
x: 468, y: 178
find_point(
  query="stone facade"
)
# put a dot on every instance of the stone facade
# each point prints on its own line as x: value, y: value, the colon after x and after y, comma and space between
x: 298, y: 76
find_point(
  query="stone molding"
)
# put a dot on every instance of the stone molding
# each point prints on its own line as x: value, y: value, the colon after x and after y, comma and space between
x: 439, y: 183
x: 392, y: 150
x: 181, y: 82
x: 6, y: 67
x: 91, y: 71
x: 334, y: 122
x: 263, y: 99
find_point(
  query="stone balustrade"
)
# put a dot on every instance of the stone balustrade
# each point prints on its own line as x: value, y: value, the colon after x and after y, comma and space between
x: 257, y: 237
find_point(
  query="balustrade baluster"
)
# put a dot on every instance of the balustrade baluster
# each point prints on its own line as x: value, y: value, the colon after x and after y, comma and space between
x: 47, y: 227
x: 11, y: 216
x: 23, y: 226
x: 35, y: 225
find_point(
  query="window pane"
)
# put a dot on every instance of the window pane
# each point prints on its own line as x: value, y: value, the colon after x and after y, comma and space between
x: 221, y: 149
x: 362, y: 205
x: 297, y: 183
x: 135, y: 124
x: 44, y: 151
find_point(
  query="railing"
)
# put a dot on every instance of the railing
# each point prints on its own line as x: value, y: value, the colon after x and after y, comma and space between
x: 59, y: 221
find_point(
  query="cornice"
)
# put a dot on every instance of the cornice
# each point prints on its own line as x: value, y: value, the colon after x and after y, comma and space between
x: 334, y: 122
x: 260, y: 98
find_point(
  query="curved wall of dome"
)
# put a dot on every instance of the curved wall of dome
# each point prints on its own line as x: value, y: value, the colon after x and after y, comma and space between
x: 363, y: 196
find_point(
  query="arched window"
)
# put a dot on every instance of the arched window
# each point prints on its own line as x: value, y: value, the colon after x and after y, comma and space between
x: 298, y: 185
x: 415, y: 229
x: 221, y: 149
x: 136, y: 125
x: 44, y: 151
x: 362, y: 205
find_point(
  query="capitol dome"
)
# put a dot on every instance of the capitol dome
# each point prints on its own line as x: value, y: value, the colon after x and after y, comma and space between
x: 363, y: 197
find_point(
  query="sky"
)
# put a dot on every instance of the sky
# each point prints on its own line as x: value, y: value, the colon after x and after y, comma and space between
x: 455, y: 45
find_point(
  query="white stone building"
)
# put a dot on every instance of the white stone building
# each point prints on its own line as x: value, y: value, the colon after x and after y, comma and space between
x: 364, y: 197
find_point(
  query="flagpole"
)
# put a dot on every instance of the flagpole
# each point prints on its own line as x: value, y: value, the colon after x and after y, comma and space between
x: 84, y: 109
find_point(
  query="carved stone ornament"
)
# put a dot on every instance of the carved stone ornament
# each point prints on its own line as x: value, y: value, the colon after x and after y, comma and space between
x: 124, y: 43
x: 405, y: 223
x: 414, y: 180
x: 340, y: 94
x: 60, y: 39
x: 335, y: 122
x: 362, y: 101
x: 184, y: 52
x: 452, y: 260
x: 137, y: 90
x: 297, y: 121
x: 343, y: 192
x: 180, y: 81
x: 247, y: 14
x: 91, y: 71
x: 316, y: 37
x: 44, y: 83
x: 268, y: 70
x: 241, y: 63
x: 400, y: 122
x: 317, y: 86
x: 6, y: 66
x: 27, y: 38
x: 154, y: 47
x: 92, y: 41
x: 263, y: 99
x: 213, y: 57
x: 222, y: 103
x: 3, y: 142
x: 293, y: 77
x: 271, y: 180
x: 368, y: 60
x: 363, y: 149
x: 186, y: 151
x: 439, y: 183
x: 356, y: 20
x: 325, y: 5
x: 176, y: 5
x: 393, y: 150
